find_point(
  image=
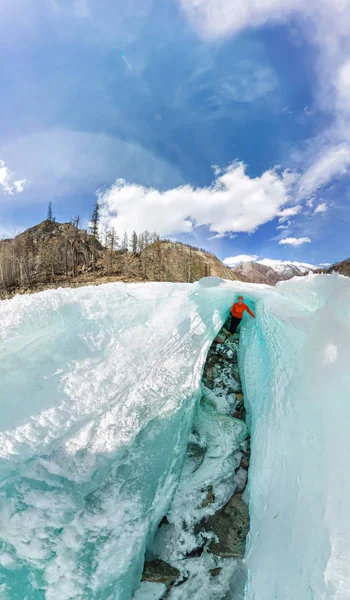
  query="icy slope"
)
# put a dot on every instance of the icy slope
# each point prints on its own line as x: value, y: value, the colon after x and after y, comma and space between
x: 99, y: 388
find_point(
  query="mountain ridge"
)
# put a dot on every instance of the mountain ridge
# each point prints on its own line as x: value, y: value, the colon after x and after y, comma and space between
x: 52, y: 254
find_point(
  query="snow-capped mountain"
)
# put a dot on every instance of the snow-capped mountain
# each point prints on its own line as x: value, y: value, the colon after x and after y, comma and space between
x: 255, y: 272
x: 250, y: 268
x: 288, y: 269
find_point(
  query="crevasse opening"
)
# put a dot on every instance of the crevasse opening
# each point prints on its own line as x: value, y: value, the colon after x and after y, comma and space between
x: 203, y: 534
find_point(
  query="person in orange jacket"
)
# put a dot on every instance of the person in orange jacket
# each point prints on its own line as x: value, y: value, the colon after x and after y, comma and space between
x: 237, y: 311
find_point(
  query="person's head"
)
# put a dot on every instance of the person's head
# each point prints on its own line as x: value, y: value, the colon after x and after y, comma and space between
x: 240, y: 299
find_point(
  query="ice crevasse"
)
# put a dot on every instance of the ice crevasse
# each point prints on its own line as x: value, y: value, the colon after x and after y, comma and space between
x: 99, y: 388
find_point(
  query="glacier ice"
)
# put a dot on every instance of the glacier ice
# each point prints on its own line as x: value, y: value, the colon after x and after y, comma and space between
x: 100, y: 389
x: 296, y: 374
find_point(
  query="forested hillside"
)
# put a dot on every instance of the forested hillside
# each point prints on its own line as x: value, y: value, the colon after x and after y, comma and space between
x: 55, y: 254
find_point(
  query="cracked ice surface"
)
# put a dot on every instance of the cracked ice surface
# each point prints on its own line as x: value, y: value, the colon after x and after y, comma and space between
x: 99, y: 390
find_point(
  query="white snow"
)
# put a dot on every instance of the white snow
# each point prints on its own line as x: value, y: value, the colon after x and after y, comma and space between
x: 150, y: 591
x: 100, y: 388
x: 280, y: 265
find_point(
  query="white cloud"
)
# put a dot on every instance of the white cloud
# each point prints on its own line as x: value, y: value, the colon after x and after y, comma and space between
x: 219, y: 18
x: 342, y: 84
x: 8, y: 185
x: 219, y: 236
x: 288, y: 212
x: 233, y: 203
x: 325, y: 264
x: 233, y: 261
x: 292, y: 241
x: 333, y: 163
x: 321, y: 208
x: 287, y: 226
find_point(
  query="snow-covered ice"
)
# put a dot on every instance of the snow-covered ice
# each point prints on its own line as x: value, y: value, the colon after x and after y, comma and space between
x: 100, y: 388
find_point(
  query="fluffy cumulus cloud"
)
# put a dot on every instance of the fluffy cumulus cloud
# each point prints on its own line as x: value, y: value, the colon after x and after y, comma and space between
x: 233, y: 203
x: 8, y: 185
x: 292, y: 241
x: 233, y: 261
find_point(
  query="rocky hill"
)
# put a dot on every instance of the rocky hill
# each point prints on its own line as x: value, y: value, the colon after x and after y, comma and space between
x: 59, y: 254
x: 342, y: 267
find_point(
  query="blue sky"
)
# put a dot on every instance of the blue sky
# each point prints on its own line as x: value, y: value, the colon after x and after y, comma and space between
x: 230, y: 129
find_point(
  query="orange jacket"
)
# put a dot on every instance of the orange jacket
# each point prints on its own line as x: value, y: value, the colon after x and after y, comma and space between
x: 237, y: 310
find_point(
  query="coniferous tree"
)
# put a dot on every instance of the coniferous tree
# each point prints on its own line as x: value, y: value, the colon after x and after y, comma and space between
x: 95, y: 219
x: 49, y: 216
x: 74, y: 245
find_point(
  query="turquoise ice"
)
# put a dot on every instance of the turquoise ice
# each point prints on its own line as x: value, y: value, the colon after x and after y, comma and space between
x: 99, y: 390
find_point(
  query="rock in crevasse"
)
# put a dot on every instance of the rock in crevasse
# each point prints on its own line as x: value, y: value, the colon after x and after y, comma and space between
x: 158, y: 571
x: 231, y: 526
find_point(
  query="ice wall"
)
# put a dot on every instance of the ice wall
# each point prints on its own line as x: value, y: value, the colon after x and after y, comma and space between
x: 296, y: 370
x: 98, y: 393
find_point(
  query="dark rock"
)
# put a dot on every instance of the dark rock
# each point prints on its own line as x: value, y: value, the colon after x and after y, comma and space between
x: 195, y: 553
x: 164, y: 521
x: 158, y: 571
x: 215, y: 572
x: 245, y: 462
x: 181, y: 581
x: 231, y: 526
x: 240, y: 411
x: 196, y: 452
x: 210, y: 499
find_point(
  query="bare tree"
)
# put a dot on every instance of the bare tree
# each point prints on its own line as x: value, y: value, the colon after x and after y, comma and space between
x: 134, y: 242
x: 112, y: 243
x: 125, y: 242
x: 76, y: 221
x: 141, y: 242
